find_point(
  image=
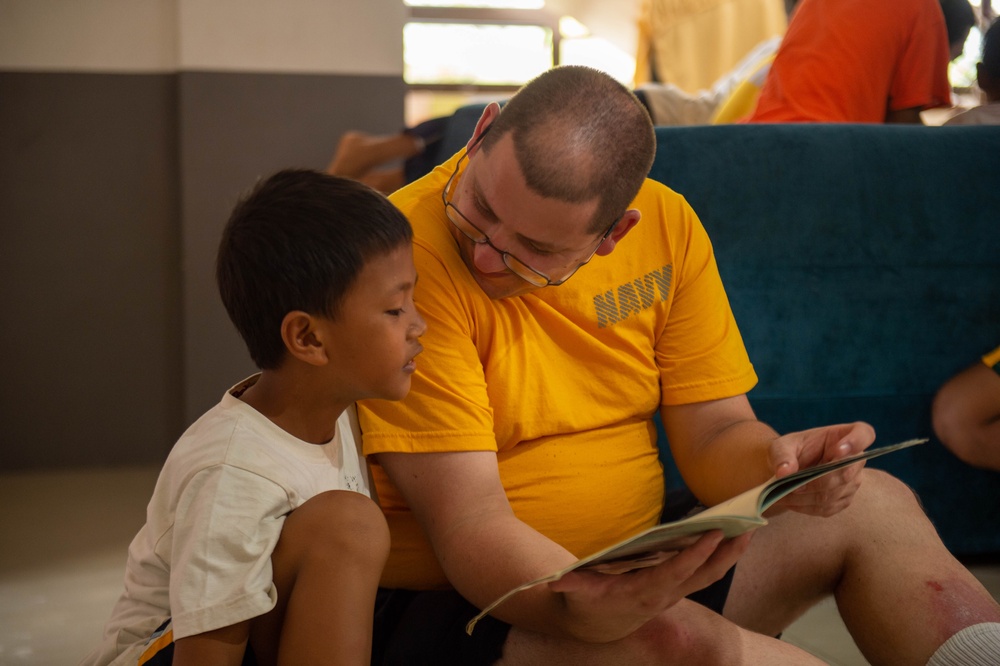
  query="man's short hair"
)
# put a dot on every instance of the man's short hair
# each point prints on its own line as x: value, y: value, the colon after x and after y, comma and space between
x: 579, y: 134
x: 298, y: 241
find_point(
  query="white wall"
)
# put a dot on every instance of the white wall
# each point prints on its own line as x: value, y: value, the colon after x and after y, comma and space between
x: 155, y: 114
x: 307, y: 36
x: 88, y: 35
x: 301, y: 36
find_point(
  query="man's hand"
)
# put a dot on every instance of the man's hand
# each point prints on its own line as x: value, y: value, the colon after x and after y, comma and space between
x: 632, y: 599
x: 832, y: 493
x: 486, y: 550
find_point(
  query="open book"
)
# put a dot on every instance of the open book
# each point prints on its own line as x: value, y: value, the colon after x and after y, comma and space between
x: 734, y: 517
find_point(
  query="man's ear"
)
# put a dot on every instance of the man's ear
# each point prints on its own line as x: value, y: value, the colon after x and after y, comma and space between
x: 490, y: 114
x: 302, y: 339
x: 625, y: 225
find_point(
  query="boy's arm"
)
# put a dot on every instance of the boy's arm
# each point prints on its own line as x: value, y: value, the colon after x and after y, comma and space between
x: 224, y: 646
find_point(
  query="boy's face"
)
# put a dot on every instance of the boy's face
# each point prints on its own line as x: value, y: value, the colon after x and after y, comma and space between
x: 375, y: 335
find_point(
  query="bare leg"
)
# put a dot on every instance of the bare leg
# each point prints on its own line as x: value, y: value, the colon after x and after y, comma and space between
x: 358, y: 153
x: 686, y: 634
x: 899, y: 590
x: 327, y: 566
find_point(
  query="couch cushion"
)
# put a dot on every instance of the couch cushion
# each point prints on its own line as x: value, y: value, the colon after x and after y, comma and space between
x: 862, y: 265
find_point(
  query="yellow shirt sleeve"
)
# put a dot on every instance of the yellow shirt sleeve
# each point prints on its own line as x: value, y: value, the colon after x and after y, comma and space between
x: 992, y: 359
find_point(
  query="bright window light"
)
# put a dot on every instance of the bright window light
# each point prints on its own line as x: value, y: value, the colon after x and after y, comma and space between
x: 492, y: 4
x: 477, y: 54
x: 962, y: 70
x: 600, y: 54
x: 571, y: 28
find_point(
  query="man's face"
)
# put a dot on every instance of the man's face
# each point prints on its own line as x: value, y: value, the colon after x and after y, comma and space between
x: 549, y: 235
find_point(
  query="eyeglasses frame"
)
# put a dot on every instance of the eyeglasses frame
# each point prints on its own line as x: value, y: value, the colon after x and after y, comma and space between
x: 521, y: 269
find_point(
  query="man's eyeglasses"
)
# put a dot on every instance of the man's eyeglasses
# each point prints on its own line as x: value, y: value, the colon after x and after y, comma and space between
x: 517, y: 267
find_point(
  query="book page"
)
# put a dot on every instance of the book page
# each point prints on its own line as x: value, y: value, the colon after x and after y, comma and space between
x: 742, y: 513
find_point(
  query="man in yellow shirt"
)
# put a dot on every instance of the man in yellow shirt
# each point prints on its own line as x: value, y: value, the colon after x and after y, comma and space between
x: 526, y: 440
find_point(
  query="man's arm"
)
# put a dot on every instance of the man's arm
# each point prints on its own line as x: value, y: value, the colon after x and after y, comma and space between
x: 722, y: 449
x: 485, y: 551
x: 907, y: 116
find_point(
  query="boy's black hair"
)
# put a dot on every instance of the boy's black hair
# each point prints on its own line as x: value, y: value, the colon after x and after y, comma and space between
x: 991, y: 49
x: 298, y: 241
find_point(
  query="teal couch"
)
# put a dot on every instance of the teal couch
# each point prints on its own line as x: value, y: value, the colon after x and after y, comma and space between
x: 863, y: 266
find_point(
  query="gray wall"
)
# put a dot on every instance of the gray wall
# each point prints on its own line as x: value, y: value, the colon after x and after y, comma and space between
x: 89, y: 268
x: 127, y: 131
x: 235, y: 129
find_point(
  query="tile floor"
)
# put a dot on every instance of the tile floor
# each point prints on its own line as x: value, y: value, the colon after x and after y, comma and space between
x: 64, y: 538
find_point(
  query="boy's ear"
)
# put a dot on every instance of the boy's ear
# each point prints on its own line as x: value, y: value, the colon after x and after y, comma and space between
x: 300, y: 335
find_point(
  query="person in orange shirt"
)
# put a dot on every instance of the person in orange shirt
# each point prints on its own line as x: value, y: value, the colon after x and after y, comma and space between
x: 864, y: 61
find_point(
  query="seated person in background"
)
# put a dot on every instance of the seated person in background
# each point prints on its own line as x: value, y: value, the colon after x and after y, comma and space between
x: 387, y: 162
x: 261, y: 538
x: 864, y: 61
x: 966, y: 413
x: 730, y: 99
x: 691, y: 44
x: 669, y: 105
x: 988, y: 78
x: 570, y: 299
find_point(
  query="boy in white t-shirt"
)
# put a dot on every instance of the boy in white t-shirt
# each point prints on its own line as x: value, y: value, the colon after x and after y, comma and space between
x: 261, y: 540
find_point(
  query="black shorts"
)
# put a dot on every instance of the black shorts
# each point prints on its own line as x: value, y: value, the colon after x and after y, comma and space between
x: 416, y: 628
x: 160, y: 649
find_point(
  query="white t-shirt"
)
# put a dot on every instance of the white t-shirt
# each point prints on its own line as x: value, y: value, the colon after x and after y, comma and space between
x: 987, y: 114
x: 203, y: 557
x: 670, y: 105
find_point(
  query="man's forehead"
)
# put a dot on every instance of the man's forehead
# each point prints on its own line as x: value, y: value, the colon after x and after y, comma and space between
x: 503, y: 195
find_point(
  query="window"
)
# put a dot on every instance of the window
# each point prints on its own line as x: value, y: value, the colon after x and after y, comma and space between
x: 962, y: 70
x: 462, y: 51
x: 455, y: 53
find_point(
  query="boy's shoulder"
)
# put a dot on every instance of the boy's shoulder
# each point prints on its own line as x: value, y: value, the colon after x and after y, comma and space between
x: 225, y: 432
x: 233, y: 434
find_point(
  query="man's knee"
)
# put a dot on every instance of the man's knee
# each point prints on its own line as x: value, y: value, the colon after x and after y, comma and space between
x: 881, y: 487
x: 689, y: 634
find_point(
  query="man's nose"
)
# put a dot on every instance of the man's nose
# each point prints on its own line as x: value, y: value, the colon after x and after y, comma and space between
x: 487, y: 258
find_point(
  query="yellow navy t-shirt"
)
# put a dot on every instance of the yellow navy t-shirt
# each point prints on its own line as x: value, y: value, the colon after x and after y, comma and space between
x: 562, y: 382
